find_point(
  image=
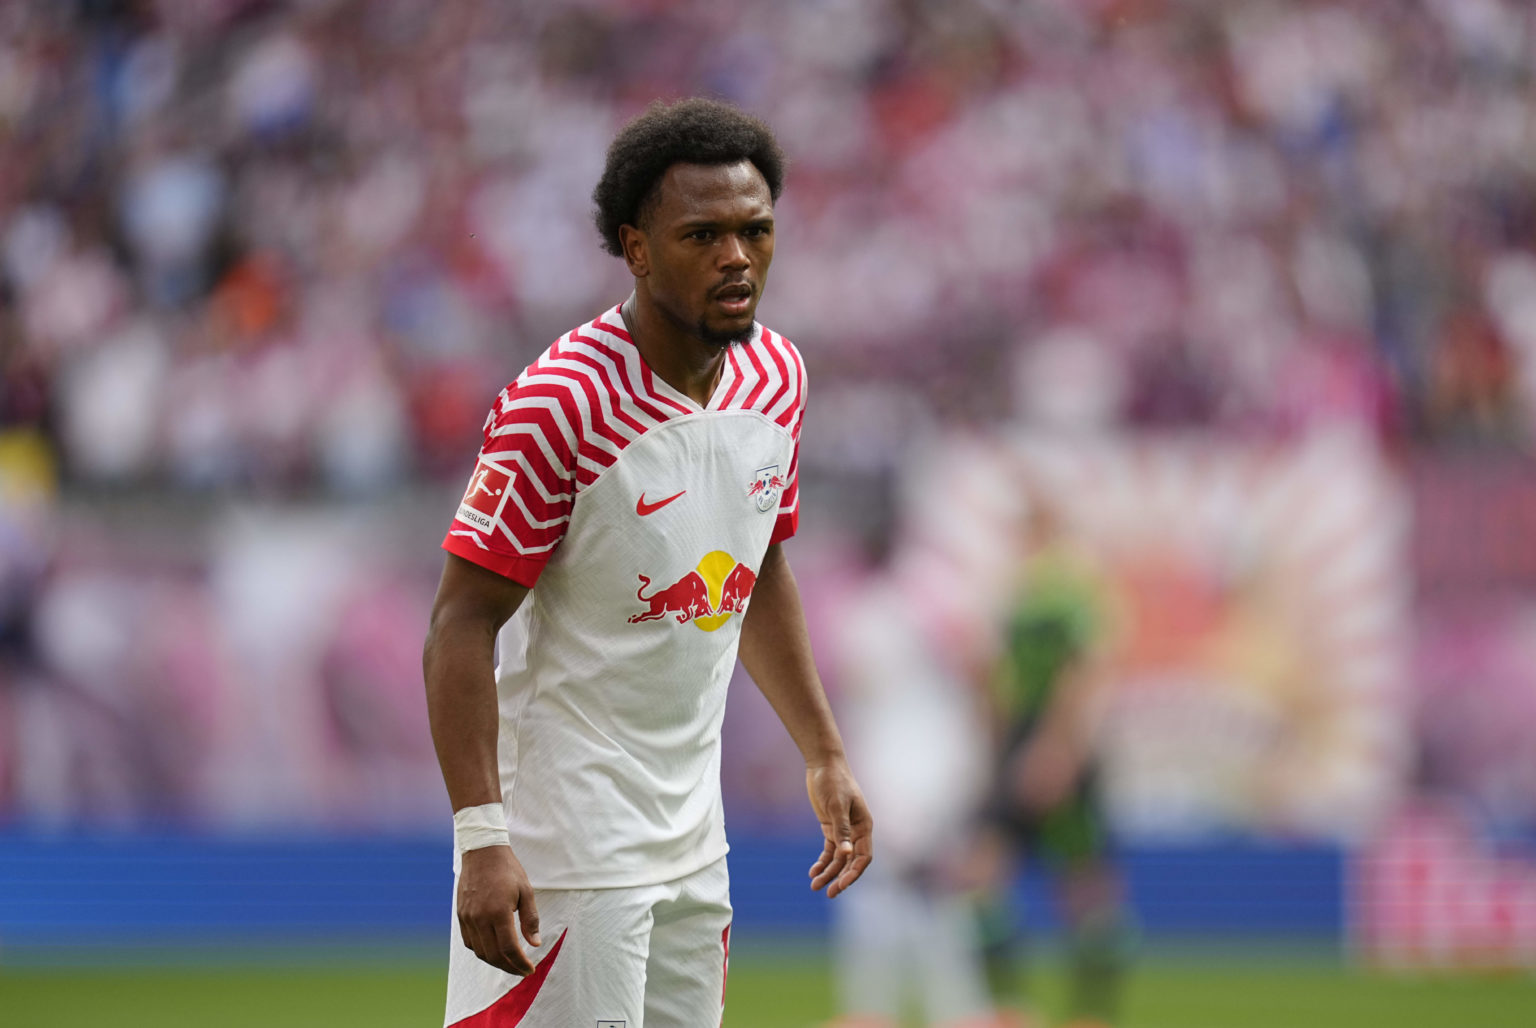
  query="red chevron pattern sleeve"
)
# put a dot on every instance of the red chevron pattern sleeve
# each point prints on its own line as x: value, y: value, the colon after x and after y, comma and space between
x: 789, y: 499
x: 518, y: 502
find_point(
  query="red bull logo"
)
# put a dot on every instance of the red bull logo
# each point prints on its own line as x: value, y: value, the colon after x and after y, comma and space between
x: 708, y: 595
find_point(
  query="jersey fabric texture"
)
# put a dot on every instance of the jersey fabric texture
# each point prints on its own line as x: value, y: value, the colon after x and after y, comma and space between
x: 641, y: 520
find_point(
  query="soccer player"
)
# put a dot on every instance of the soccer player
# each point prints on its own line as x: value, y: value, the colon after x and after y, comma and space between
x: 626, y: 515
x: 1046, y: 798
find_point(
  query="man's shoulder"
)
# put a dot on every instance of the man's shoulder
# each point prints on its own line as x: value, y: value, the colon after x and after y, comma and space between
x: 575, y: 369
x: 592, y: 386
x: 602, y: 339
x: 772, y: 376
x: 775, y: 340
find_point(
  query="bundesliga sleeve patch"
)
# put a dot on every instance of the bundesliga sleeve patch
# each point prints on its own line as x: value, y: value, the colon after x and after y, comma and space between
x: 488, y: 492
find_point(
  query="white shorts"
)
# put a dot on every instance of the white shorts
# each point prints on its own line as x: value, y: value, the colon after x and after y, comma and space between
x: 652, y: 956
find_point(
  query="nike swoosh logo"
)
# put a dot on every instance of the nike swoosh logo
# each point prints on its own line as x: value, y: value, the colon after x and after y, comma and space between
x: 642, y: 508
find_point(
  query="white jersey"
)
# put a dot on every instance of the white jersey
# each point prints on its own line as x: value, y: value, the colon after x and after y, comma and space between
x: 643, y: 518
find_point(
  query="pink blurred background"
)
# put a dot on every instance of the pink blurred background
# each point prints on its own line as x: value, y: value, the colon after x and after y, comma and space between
x: 1246, y: 291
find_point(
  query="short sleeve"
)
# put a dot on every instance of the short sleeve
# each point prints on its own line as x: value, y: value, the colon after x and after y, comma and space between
x: 788, y: 521
x: 517, y: 505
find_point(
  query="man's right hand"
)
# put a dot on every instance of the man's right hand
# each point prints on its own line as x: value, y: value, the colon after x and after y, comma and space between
x: 492, y: 887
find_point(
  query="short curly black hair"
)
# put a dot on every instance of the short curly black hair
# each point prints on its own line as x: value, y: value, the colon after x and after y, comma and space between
x: 692, y: 131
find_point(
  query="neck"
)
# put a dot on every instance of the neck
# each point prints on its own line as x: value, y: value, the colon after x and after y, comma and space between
x: 678, y: 357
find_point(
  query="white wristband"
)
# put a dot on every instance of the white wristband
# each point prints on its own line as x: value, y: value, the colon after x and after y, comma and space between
x: 475, y: 828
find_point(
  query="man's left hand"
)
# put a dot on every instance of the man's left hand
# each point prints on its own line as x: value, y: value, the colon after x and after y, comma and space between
x: 846, y: 827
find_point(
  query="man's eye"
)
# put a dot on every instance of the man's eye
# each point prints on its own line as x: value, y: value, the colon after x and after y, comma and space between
x: 702, y: 233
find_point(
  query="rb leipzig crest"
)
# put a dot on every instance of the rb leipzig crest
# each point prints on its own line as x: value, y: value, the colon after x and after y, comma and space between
x: 766, y: 488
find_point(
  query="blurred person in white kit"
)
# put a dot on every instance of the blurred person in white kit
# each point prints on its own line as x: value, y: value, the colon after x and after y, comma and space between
x: 907, y: 936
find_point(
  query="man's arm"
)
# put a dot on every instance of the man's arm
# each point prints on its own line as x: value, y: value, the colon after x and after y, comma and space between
x: 458, y: 665
x: 776, y: 651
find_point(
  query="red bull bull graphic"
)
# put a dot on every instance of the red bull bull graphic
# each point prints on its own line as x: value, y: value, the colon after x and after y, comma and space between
x: 735, y: 591
x: 708, y: 595
x: 688, y: 598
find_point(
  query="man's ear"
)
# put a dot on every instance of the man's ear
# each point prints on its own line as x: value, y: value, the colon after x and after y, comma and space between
x: 636, y: 250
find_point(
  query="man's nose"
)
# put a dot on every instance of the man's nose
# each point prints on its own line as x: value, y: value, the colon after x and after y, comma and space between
x: 733, y: 253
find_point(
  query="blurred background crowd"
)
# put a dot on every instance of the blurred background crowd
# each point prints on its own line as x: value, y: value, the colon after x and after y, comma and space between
x: 1245, y: 293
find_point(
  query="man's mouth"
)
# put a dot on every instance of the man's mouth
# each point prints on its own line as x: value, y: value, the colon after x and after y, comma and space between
x: 734, y: 298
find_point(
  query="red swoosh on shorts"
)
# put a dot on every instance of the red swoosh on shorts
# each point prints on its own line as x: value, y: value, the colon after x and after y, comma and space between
x: 508, y: 1011
x: 642, y: 508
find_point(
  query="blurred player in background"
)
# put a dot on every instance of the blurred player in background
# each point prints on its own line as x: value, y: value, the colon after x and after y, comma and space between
x: 632, y: 493
x: 1045, y: 801
x: 906, y: 937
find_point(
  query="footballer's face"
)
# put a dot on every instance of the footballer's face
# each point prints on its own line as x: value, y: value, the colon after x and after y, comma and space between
x: 703, y: 248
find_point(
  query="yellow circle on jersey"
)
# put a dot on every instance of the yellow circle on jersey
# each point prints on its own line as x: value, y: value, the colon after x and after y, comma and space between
x: 713, y: 568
